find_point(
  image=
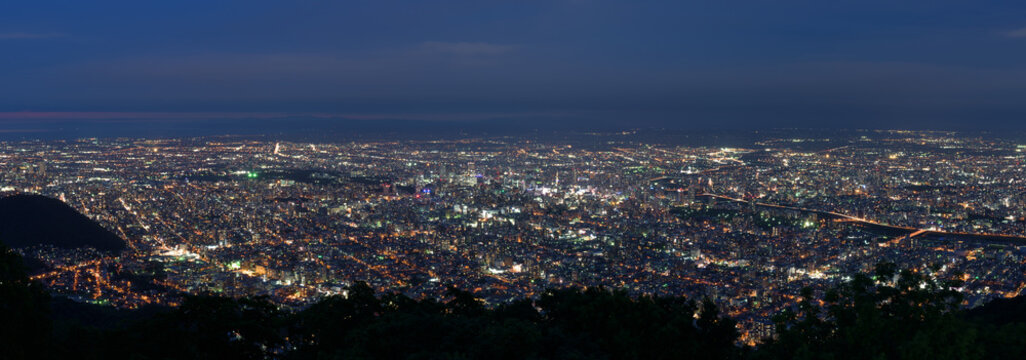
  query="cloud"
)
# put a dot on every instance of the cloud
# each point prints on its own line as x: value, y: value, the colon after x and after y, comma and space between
x: 1017, y: 33
x: 24, y: 35
x: 466, y: 48
x: 412, y: 71
x: 37, y: 117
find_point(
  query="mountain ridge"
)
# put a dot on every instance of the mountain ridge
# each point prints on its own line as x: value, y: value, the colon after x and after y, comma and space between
x: 29, y: 219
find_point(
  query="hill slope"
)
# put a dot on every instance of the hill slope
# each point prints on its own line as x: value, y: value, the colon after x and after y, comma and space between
x: 27, y: 220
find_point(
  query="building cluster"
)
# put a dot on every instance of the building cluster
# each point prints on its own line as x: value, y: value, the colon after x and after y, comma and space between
x: 507, y: 218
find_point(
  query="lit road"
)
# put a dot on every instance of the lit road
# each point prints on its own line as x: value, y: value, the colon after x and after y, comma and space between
x: 848, y: 218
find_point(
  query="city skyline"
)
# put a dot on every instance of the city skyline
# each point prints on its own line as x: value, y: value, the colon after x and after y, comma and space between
x: 509, y: 217
x: 512, y: 179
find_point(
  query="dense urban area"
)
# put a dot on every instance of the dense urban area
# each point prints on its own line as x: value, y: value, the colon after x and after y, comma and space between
x: 507, y: 218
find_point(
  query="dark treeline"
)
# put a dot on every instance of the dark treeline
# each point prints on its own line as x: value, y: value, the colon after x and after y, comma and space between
x: 890, y: 314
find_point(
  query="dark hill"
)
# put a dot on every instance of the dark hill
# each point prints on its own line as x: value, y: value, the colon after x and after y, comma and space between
x: 1001, y: 311
x: 27, y: 220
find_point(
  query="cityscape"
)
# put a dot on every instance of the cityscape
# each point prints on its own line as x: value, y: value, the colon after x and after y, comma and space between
x: 507, y: 218
x: 512, y: 180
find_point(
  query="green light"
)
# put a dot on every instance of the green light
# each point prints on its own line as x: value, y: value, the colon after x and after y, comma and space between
x: 235, y: 265
x: 251, y: 175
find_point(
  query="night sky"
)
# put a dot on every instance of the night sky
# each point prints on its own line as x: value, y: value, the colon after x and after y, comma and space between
x: 677, y: 64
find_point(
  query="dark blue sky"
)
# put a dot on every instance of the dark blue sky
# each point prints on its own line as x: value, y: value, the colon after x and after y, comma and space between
x: 682, y: 64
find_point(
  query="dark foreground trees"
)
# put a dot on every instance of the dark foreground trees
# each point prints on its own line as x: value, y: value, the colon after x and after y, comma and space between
x: 25, y: 326
x: 562, y: 324
x: 890, y: 314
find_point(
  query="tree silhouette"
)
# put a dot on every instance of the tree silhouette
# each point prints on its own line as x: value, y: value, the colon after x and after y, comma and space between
x: 891, y: 315
x: 24, y: 311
